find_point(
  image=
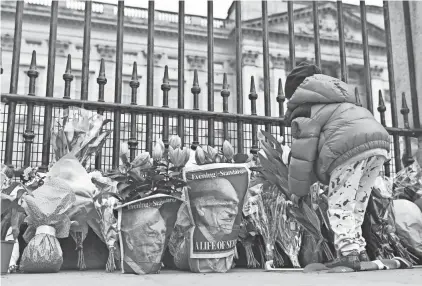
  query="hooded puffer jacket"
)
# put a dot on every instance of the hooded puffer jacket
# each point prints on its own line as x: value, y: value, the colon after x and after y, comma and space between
x: 333, y: 131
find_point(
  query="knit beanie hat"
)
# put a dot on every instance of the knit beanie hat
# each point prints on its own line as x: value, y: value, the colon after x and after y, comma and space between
x: 297, y: 76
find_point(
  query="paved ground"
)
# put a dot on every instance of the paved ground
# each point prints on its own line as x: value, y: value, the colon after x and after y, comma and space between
x: 238, y: 277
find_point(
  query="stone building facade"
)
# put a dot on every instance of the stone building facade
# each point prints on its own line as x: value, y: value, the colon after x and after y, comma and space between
x: 103, y: 45
x: 36, y: 24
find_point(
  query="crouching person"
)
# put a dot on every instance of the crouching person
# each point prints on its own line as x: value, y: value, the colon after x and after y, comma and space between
x: 341, y: 145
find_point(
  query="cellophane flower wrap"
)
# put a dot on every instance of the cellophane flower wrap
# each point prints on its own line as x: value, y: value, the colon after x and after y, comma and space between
x: 12, y: 193
x: 106, y: 220
x: 273, y: 169
x: 379, y: 226
x: 77, y: 139
x: 247, y: 238
x: 70, y: 170
x: 408, y: 183
x: 47, y: 220
x: 266, y: 208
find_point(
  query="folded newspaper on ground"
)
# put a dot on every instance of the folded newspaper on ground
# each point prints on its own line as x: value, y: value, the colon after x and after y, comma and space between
x: 145, y: 226
x: 208, y: 228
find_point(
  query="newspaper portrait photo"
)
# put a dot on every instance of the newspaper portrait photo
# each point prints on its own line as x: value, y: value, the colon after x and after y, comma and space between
x: 145, y: 227
x: 216, y: 194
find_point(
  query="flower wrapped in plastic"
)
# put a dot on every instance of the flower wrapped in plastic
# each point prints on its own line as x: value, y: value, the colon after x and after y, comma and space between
x: 408, y: 183
x: 289, y: 235
x: 70, y: 170
x: 273, y: 170
x: 379, y: 226
x: 106, y: 222
x: 149, y: 190
x: 47, y: 220
x: 78, y: 138
x: 79, y: 134
x: 12, y: 193
x: 247, y: 238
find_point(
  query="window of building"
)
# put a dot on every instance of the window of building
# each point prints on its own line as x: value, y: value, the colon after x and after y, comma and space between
x: 387, y: 96
x: 76, y: 85
x: 126, y: 91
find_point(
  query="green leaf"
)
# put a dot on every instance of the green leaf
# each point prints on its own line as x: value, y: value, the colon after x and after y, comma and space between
x: 272, y: 139
x: 105, y: 194
x: 270, y: 152
x: 267, y: 164
x: 136, y: 175
x: 105, y: 122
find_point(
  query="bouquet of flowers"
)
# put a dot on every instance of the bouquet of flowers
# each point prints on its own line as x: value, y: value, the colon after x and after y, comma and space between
x: 263, y: 210
x: 79, y: 134
x: 105, y: 225
x: 47, y: 220
x: 379, y: 227
x: 12, y: 193
x: 274, y: 170
x: 149, y: 191
x: 408, y: 183
x: 247, y: 237
x: 78, y: 138
x: 146, y: 176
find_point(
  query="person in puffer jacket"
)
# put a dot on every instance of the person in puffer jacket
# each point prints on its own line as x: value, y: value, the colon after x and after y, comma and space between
x: 340, y: 144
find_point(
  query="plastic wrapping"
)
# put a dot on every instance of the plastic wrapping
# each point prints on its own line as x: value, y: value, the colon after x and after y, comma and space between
x: 408, y: 183
x: 47, y: 221
x: 76, y: 177
x: 408, y: 218
x: 107, y: 223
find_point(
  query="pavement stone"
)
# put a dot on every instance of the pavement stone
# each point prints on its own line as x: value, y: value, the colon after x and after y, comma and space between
x: 236, y: 277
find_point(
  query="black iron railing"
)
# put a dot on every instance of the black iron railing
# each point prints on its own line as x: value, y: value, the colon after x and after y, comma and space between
x: 140, y: 125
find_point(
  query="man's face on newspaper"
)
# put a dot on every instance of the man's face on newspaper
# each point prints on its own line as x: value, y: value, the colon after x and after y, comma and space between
x: 147, y: 237
x: 219, y: 215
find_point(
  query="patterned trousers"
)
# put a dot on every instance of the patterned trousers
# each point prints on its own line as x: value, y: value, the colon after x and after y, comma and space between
x: 349, y: 191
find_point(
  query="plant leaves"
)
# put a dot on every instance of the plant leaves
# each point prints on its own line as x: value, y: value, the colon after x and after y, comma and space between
x: 274, y: 141
x: 105, y: 122
x: 105, y: 194
x: 267, y: 164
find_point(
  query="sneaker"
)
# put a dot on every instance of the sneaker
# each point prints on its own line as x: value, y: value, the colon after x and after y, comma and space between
x: 349, y: 261
x: 363, y: 256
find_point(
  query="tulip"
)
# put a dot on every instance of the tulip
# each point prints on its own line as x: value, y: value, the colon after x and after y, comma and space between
x: 177, y: 157
x: 157, y: 152
x: 124, y: 152
x: 218, y: 159
x: 260, y: 136
x: 262, y: 153
x: 212, y: 153
x: 199, y: 156
x: 187, y: 156
x: 124, y: 148
x: 141, y: 160
x: 163, y: 147
x: 228, y: 150
x: 175, y: 142
x: 69, y: 131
